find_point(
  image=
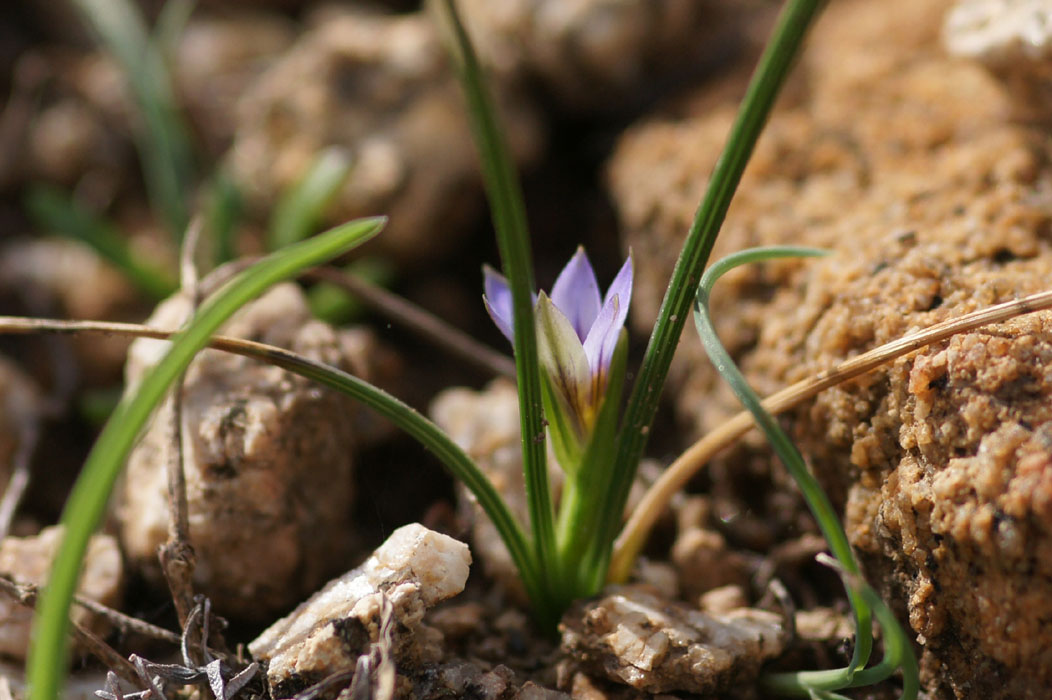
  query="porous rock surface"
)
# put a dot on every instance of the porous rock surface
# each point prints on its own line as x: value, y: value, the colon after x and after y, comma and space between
x: 267, y: 456
x: 410, y: 572
x: 656, y: 645
x: 380, y: 87
x: 940, y: 460
x: 29, y: 559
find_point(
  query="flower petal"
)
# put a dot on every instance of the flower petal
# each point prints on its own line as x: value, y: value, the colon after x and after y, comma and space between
x: 498, y: 301
x: 576, y: 293
x: 602, y: 336
x: 562, y: 356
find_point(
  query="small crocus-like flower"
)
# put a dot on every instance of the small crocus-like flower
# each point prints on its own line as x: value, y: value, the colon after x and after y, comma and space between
x: 577, y: 331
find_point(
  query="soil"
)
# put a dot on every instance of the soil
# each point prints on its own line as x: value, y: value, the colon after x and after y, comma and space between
x: 912, y: 141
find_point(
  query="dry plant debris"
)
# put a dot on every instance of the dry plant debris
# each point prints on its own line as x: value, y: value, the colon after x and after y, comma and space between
x: 28, y: 560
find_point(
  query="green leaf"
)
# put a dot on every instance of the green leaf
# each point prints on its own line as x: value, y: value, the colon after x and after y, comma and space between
x: 582, y: 551
x: 759, y: 99
x: 302, y: 206
x: 163, y: 142
x: 49, y: 653
x: 509, y: 220
x: 55, y: 211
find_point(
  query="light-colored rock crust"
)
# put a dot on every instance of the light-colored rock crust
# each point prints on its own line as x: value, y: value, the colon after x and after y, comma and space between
x: 655, y: 645
x: 1013, y: 38
x: 412, y: 571
x: 267, y: 457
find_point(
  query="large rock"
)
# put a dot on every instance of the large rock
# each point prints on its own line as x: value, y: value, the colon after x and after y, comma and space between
x: 940, y: 459
x: 380, y: 87
x: 268, y: 460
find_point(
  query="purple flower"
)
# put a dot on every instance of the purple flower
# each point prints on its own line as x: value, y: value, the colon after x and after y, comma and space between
x: 577, y: 330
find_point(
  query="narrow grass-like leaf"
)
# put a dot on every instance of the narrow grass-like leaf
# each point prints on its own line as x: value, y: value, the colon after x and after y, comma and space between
x: 642, y: 405
x: 49, y: 654
x: 163, y: 142
x: 223, y: 210
x: 55, y: 211
x: 814, y: 495
x: 513, y: 240
x: 301, y: 207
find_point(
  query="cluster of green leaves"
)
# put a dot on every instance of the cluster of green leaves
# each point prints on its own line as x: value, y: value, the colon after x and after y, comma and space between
x: 563, y: 554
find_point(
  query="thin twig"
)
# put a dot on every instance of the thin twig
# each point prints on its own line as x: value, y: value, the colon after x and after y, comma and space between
x: 656, y: 499
x: 25, y: 594
x: 177, y: 555
x: 28, y: 435
x: 419, y: 321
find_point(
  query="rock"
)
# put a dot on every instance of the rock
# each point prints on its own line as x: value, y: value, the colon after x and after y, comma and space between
x: 1013, y: 38
x: 216, y: 60
x: 939, y: 459
x: 412, y: 571
x: 28, y: 560
x: 593, y: 54
x: 656, y: 646
x: 380, y: 87
x: 71, y: 280
x: 267, y: 456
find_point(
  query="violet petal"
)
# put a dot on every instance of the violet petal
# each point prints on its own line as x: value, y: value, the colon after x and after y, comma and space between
x: 576, y: 293
x: 498, y: 301
x: 602, y: 336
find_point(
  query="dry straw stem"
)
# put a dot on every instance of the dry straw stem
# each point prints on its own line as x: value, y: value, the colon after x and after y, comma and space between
x: 633, y: 536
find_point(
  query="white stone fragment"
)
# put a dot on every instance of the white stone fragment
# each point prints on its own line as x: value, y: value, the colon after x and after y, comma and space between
x: 1013, y: 39
x: 658, y: 645
x: 414, y: 569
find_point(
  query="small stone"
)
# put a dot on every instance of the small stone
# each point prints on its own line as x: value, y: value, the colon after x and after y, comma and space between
x: 413, y: 570
x: 723, y: 599
x: 28, y: 560
x: 1013, y: 39
x: 658, y: 645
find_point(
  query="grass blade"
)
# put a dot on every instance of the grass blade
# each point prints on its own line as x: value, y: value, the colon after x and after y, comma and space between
x: 642, y: 405
x: 55, y: 211
x: 49, y: 654
x: 814, y: 495
x: 513, y: 239
x: 301, y: 207
x: 164, y: 143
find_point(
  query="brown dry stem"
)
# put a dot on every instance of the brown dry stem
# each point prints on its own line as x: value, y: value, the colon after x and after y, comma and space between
x: 25, y: 594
